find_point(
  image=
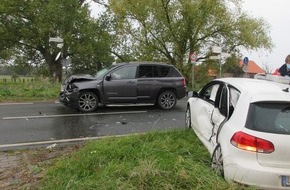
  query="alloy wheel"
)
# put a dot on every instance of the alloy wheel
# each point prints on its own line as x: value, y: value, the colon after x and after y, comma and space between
x: 217, y: 161
x: 87, y: 102
x: 167, y: 100
x: 188, y: 118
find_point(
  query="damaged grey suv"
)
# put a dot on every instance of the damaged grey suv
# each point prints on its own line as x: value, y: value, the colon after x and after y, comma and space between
x: 135, y: 82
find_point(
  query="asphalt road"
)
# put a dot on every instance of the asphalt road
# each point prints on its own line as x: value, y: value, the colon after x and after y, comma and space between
x: 31, y: 124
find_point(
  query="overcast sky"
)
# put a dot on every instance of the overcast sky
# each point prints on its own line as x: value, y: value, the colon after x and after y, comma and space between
x: 277, y: 14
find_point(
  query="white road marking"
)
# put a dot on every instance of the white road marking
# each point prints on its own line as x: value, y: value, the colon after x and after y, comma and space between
x: 62, y: 141
x: 71, y: 115
x: 128, y: 105
x: 15, y: 103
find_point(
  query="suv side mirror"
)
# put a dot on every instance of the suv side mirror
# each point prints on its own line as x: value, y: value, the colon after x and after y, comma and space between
x: 108, y: 77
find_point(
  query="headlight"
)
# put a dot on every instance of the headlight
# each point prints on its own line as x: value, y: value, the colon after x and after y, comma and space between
x: 62, y: 87
x: 72, y: 88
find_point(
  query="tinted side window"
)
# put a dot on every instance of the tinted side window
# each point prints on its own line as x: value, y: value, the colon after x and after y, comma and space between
x: 173, y: 72
x: 223, y: 105
x: 146, y: 71
x: 271, y: 117
x: 163, y: 71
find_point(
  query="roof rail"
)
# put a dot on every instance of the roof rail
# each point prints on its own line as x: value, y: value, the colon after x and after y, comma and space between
x: 274, y: 78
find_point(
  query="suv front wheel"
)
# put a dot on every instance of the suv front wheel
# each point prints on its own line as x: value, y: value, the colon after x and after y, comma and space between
x: 87, y: 101
x: 167, y: 100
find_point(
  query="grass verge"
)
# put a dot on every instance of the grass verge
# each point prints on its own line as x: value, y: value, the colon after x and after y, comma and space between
x: 38, y: 90
x: 158, y: 160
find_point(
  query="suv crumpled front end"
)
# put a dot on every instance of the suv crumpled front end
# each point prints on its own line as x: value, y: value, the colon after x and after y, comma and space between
x: 69, y: 92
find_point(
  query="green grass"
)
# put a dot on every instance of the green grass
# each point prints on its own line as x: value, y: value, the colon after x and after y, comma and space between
x: 36, y: 90
x: 158, y: 160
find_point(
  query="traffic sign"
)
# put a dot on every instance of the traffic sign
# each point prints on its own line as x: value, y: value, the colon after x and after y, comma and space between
x: 58, y: 56
x: 59, y: 45
x: 216, y: 49
x: 245, y: 68
x: 193, y: 57
x: 225, y: 55
x: 214, y: 57
x: 246, y: 60
x: 57, y: 40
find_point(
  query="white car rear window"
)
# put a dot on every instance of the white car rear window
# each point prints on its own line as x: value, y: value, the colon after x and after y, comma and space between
x: 270, y: 117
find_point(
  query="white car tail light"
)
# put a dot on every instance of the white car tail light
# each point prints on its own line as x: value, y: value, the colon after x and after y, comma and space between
x: 248, y: 142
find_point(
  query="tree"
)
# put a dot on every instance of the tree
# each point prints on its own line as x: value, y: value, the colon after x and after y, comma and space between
x: 232, y: 66
x: 26, y: 27
x: 171, y: 29
x: 21, y: 66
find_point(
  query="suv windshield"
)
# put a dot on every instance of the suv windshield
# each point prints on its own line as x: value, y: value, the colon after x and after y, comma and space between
x: 270, y: 117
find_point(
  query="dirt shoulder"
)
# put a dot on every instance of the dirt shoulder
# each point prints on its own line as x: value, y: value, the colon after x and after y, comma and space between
x: 23, y: 169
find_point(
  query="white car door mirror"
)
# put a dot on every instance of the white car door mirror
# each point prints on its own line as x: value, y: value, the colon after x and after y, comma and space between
x: 192, y: 94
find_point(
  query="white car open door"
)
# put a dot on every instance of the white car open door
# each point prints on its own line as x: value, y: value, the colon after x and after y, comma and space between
x: 220, y: 114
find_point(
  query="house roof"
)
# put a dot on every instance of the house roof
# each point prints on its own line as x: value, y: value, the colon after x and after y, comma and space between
x: 212, y: 72
x: 252, y: 67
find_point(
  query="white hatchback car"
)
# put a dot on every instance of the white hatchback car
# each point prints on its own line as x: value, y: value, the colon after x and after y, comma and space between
x: 245, y: 125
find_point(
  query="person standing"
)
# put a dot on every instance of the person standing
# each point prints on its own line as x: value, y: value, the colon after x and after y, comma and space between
x: 284, y: 70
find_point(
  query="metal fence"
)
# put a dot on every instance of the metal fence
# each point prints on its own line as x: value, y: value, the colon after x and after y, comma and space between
x: 17, y: 80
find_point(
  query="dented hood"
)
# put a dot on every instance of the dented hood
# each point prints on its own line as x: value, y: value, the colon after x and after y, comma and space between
x: 80, y: 77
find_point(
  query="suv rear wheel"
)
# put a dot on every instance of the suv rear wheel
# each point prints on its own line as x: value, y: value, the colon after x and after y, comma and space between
x: 87, y: 101
x: 167, y: 100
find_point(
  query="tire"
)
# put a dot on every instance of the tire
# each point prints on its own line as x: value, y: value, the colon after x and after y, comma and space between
x: 188, y: 118
x: 87, y: 101
x: 217, y: 161
x: 167, y: 100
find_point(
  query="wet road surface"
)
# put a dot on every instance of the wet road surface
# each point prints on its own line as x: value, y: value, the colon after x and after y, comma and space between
x: 38, y: 122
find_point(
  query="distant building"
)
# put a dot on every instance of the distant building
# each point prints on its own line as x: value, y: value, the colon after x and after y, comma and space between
x: 251, y: 70
x: 212, y: 73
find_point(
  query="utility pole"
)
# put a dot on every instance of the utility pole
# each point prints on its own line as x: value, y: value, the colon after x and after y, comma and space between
x: 219, y: 55
x: 245, y: 65
x: 59, y: 42
x: 192, y: 58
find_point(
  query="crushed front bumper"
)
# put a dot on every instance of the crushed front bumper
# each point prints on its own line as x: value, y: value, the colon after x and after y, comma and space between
x: 69, y: 99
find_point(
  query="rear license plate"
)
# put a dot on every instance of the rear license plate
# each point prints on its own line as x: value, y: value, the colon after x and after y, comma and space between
x: 285, y: 181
